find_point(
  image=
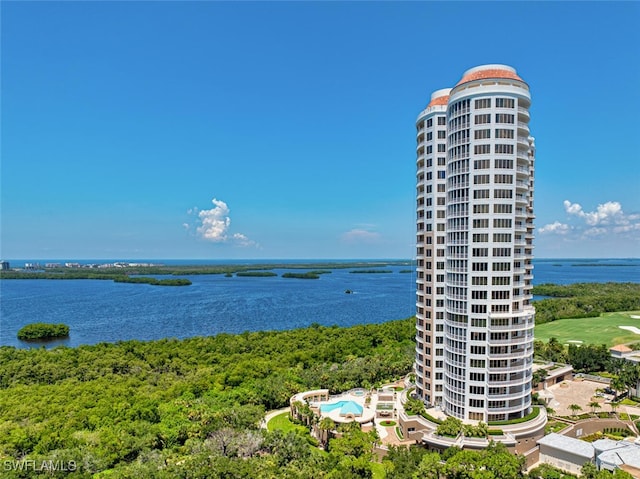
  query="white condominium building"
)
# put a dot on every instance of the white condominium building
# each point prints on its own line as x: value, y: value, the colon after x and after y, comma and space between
x: 474, y: 318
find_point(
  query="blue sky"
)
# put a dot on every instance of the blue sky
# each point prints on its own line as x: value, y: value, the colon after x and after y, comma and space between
x: 287, y: 130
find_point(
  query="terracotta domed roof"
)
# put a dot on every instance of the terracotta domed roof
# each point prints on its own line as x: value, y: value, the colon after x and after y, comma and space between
x: 441, y: 100
x: 490, y: 72
x: 439, y: 97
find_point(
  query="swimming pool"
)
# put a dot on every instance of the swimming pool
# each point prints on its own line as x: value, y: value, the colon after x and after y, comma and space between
x: 346, y: 407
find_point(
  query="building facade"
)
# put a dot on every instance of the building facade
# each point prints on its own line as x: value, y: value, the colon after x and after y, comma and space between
x: 474, y: 247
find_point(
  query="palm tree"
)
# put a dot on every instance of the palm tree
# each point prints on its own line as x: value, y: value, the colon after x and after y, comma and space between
x: 614, y: 405
x: 574, y: 409
x: 325, y: 425
x: 594, y: 405
x: 618, y: 385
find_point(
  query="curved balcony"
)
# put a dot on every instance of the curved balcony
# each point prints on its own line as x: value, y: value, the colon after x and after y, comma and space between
x: 454, y: 389
x: 512, y: 382
x: 509, y: 409
x: 523, y: 114
x: 511, y: 327
x: 455, y: 350
x: 458, y: 377
x: 523, y: 129
x: 518, y: 368
x: 509, y: 355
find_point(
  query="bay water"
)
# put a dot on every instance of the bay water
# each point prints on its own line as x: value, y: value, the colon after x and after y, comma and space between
x: 103, y: 311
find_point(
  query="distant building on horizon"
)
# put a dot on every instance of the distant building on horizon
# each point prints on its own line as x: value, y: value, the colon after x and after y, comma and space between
x: 474, y: 317
x: 5, y: 266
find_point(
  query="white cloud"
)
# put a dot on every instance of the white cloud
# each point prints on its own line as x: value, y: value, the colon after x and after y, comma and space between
x: 358, y: 235
x: 572, y: 208
x: 213, y: 225
x: 215, y: 222
x: 606, y: 220
x: 556, y: 227
x: 607, y: 213
x: 595, y: 232
x: 242, y: 240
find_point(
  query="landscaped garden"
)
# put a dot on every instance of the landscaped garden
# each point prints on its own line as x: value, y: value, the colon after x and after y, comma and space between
x: 283, y: 423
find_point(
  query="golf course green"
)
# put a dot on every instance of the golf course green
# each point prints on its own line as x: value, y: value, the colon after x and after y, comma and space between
x: 608, y: 328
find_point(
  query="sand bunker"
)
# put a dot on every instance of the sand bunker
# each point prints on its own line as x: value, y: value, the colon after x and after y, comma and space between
x: 576, y: 341
x: 634, y: 316
x: 633, y: 329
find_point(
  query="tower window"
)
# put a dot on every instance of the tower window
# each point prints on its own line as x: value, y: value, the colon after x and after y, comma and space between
x: 483, y: 103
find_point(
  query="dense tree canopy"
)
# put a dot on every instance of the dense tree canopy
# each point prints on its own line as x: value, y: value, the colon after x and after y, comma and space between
x: 127, y: 405
x: 581, y: 300
x: 42, y: 331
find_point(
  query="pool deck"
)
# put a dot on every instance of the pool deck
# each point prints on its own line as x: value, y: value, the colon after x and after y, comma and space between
x: 378, y: 405
x: 368, y: 411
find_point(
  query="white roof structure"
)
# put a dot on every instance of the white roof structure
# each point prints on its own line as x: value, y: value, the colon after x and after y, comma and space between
x: 605, y: 444
x: 617, y: 453
x: 568, y: 444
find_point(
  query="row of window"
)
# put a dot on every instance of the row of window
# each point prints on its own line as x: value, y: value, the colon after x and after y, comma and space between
x: 485, y: 179
x: 483, y: 208
x: 480, y: 134
x: 486, y: 118
x: 497, y: 237
x: 442, y: 134
x: 500, y: 103
x: 497, y: 223
x: 499, y: 266
x: 460, y: 107
x: 442, y: 161
x: 498, y: 148
x: 441, y: 121
x: 497, y: 252
x: 440, y: 175
x: 441, y: 148
x: 459, y: 123
x: 484, y: 193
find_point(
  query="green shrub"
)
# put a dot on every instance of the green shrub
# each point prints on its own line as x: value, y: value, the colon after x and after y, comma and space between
x: 450, y: 427
x: 259, y: 274
x: 40, y: 331
x: 308, y: 275
x: 152, y: 281
x: 533, y: 414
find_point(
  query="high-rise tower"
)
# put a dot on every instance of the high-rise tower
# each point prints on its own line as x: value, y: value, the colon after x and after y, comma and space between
x: 474, y: 318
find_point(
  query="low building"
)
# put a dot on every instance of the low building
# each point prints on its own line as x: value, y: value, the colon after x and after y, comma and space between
x: 620, y: 351
x: 565, y: 453
x: 613, y: 455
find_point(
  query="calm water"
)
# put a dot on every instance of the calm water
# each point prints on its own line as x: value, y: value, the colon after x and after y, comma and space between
x: 98, y: 311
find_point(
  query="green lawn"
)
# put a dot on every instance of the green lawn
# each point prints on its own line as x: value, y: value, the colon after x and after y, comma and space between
x: 602, y: 330
x: 282, y: 422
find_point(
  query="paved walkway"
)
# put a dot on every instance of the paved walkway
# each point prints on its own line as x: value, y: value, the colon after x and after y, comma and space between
x: 271, y: 414
x: 388, y: 436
